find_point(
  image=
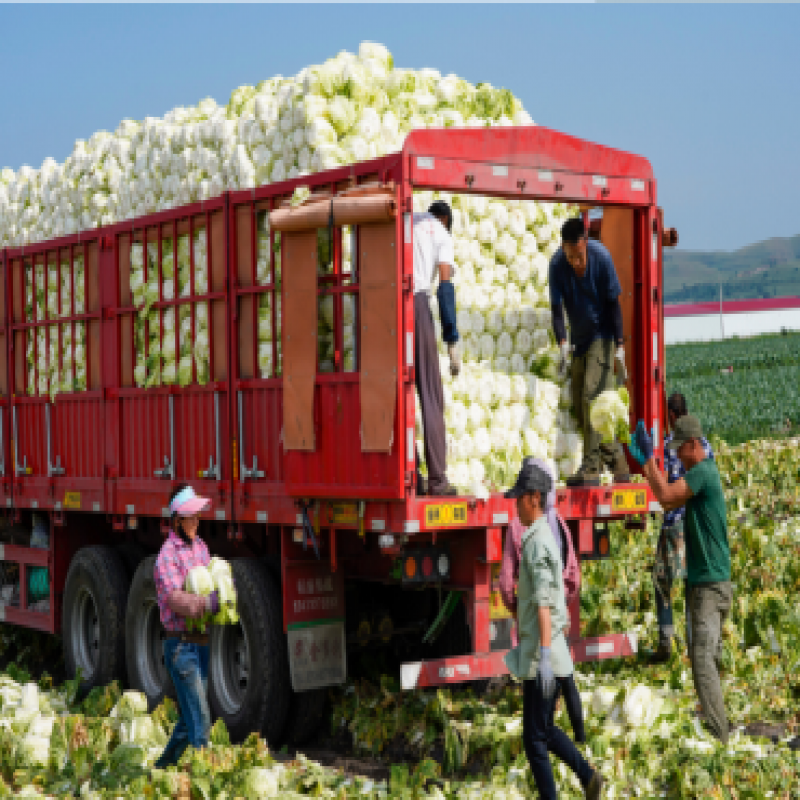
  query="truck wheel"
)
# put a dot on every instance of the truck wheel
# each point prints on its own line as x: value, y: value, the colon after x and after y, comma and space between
x: 249, y: 686
x: 306, y: 713
x: 144, y: 636
x: 93, y: 617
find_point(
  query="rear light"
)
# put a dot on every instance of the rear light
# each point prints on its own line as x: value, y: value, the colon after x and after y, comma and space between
x: 410, y: 570
x: 426, y: 565
x: 444, y: 565
x: 601, y: 543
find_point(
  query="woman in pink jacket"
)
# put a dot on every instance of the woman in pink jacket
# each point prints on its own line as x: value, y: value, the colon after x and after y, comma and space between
x: 509, y: 574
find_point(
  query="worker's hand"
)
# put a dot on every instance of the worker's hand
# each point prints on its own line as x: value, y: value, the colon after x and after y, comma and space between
x: 619, y: 364
x: 564, y: 362
x: 546, y: 675
x: 455, y: 359
x: 641, y: 445
x: 213, y: 602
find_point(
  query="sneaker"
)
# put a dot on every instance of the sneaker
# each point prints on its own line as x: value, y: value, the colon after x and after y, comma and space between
x: 448, y: 490
x: 584, y: 477
x: 422, y: 485
x: 594, y: 790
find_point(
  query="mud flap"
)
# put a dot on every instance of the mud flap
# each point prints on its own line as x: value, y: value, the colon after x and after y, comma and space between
x: 313, y: 617
x: 317, y: 656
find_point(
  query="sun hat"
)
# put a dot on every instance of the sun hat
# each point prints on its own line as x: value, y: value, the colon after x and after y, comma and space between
x: 531, y: 480
x: 686, y: 428
x: 186, y: 503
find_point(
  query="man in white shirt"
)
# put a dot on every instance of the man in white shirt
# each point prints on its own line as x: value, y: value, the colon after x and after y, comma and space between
x: 433, y: 252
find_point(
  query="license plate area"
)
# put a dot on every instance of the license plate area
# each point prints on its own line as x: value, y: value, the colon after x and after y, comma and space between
x: 442, y: 515
x: 627, y: 501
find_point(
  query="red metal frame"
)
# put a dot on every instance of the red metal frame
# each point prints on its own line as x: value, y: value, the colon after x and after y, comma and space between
x: 522, y: 163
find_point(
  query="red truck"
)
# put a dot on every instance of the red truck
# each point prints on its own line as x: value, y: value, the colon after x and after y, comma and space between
x: 311, y: 473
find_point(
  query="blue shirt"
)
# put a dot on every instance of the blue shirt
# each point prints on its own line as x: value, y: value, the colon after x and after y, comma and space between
x: 675, y: 470
x: 588, y: 300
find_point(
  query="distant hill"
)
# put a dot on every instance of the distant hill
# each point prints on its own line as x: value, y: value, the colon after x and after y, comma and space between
x: 766, y: 269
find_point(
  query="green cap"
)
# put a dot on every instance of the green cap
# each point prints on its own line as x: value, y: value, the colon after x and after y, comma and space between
x: 686, y: 428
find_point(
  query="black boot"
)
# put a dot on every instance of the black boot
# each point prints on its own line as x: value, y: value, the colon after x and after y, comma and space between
x: 663, y: 652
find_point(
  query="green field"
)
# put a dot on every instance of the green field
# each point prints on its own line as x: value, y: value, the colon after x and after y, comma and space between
x: 759, y: 399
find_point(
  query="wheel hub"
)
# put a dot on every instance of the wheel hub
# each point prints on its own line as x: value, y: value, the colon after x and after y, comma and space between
x: 230, y: 666
x: 149, y: 637
x: 86, y: 633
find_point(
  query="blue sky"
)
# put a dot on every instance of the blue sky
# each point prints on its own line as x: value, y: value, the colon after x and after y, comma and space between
x: 707, y: 93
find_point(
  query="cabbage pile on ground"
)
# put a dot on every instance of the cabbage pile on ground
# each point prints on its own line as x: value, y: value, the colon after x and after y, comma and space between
x: 641, y: 720
x: 642, y: 726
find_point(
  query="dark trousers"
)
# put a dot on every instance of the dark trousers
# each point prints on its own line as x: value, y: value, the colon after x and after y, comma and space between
x: 540, y: 736
x: 572, y: 700
x: 592, y: 374
x: 431, y: 396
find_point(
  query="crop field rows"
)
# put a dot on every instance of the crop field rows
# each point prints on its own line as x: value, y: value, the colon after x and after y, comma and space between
x: 760, y: 397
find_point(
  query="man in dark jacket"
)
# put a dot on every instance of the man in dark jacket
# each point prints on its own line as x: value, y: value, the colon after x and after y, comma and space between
x: 583, y: 279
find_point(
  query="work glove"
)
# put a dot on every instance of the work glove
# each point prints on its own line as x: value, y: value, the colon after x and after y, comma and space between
x: 546, y: 675
x: 455, y: 359
x: 619, y: 364
x: 213, y: 602
x: 641, y: 445
x: 564, y: 362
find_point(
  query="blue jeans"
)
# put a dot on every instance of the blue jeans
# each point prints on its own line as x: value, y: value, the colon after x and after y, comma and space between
x: 540, y: 736
x: 187, y: 665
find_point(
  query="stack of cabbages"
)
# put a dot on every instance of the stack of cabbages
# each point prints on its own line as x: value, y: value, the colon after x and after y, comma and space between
x: 55, y: 351
x: 167, y: 353
x: 351, y: 108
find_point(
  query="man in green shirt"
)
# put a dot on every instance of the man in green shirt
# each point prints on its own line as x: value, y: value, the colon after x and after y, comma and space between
x: 542, y: 660
x: 708, y: 556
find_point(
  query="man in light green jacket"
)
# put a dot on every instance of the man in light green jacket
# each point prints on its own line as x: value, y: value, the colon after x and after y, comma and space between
x: 542, y: 659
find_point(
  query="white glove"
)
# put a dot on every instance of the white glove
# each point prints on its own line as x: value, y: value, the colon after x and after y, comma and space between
x: 619, y: 364
x: 563, y: 364
x: 455, y: 359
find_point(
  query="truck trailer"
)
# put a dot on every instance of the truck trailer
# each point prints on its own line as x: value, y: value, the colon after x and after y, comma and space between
x: 311, y: 471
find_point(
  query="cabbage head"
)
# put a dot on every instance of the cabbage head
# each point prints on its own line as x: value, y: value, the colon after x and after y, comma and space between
x: 609, y: 415
x: 199, y: 581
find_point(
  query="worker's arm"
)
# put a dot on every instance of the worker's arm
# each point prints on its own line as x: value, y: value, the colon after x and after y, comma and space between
x: 669, y: 495
x: 616, y: 321
x: 559, y: 327
x: 445, y: 272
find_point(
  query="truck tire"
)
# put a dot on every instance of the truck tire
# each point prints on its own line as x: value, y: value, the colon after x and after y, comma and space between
x: 249, y: 686
x: 93, y: 617
x: 306, y: 713
x: 144, y: 635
